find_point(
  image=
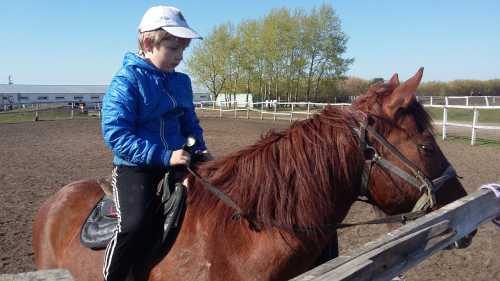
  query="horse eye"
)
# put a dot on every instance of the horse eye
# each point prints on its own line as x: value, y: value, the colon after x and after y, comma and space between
x: 426, y: 148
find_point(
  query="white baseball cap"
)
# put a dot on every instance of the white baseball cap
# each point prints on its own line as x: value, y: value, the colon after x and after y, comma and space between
x: 169, y: 19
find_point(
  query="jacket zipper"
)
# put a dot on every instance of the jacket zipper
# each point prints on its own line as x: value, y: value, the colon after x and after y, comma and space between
x: 162, y: 133
x: 162, y: 125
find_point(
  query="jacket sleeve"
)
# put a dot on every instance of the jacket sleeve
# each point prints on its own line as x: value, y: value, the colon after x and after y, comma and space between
x: 190, y: 125
x: 119, y: 123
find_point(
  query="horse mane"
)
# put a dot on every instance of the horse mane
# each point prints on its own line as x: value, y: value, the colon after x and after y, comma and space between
x: 301, y: 176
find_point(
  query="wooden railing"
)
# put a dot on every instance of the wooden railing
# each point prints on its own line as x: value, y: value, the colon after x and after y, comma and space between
x: 405, y: 247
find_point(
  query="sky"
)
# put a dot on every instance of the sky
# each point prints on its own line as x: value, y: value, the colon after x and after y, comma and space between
x: 83, y: 42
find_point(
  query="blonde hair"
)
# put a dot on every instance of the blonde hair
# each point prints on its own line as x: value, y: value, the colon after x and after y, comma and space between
x: 158, y: 35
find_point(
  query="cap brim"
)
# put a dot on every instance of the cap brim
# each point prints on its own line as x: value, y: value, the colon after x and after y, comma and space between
x: 182, y: 32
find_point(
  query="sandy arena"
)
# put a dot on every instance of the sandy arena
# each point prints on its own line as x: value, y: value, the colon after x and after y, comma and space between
x: 36, y: 159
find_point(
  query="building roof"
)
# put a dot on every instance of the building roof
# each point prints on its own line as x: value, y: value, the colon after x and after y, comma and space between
x: 52, y: 89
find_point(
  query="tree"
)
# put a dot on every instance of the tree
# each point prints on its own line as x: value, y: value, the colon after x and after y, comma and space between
x: 210, y: 62
x: 285, y: 55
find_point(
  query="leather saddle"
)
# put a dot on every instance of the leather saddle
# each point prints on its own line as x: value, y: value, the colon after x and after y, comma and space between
x: 98, y: 229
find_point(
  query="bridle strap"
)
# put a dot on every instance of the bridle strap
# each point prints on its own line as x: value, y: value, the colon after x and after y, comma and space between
x: 413, y: 168
x: 418, y: 180
x: 398, y: 172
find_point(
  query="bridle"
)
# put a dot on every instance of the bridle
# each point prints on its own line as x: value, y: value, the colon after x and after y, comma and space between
x: 417, y: 178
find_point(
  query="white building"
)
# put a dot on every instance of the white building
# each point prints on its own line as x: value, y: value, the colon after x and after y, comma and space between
x: 242, y: 99
x: 34, y: 94
x: 12, y: 94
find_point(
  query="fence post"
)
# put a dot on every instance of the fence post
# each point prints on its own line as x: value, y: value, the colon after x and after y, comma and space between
x: 235, y: 105
x: 291, y: 114
x: 308, y: 109
x: 467, y: 101
x: 446, y: 100
x: 220, y: 110
x: 487, y: 101
x: 262, y: 111
x: 248, y: 110
x: 474, y: 124
x: 36, y: 112
x: 274, y: 114
x: 445, y: 119
x: 431, y: 100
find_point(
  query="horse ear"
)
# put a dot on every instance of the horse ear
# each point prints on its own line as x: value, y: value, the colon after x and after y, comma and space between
x: 394, y: 80
x: 403, y: 95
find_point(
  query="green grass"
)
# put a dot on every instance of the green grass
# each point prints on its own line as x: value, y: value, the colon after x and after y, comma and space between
x: 464, y: 115
x: 466, y: 140
x: 19, y: 116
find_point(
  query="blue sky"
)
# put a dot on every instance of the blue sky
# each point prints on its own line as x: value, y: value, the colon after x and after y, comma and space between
x: 83, y: 42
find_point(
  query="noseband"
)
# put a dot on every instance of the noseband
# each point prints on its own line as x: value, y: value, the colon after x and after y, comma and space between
x: 417, y: 178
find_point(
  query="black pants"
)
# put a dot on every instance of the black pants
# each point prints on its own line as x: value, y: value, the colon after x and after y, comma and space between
x: 134, y: 192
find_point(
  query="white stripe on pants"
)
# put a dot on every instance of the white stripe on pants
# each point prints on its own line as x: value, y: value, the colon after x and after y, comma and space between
x: 108, y: 254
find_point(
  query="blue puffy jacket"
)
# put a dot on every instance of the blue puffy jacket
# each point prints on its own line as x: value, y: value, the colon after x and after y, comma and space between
x: 147, y: 114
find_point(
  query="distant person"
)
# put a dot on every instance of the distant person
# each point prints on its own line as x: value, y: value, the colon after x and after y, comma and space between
x: 147, y: 114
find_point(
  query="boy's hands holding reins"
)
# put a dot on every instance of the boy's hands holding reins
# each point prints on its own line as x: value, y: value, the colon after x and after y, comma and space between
x: 180, y: 157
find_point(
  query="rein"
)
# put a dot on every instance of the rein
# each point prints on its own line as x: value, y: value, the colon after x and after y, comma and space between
x: 221, y: 195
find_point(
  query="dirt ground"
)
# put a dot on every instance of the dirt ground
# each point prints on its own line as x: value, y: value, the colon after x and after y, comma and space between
x: 36, y: 159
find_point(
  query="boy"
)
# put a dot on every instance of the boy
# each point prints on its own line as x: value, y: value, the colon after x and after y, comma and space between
x: 147, y: 114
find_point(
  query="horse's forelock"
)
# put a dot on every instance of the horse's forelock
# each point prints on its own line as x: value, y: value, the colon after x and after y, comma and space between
x: 371, y: 103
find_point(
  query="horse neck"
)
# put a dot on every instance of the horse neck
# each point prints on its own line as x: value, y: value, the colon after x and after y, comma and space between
x: 305, y: 176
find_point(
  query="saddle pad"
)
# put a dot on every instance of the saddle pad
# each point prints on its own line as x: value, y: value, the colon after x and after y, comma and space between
x: 98, y: 228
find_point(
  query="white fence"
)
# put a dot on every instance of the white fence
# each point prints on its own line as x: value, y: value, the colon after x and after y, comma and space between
x: 474, y: 126
x: 300, y: 110
x: 459, y: 100
x: 50, y: 111
x: 405, y: 247
x: 277, y: 110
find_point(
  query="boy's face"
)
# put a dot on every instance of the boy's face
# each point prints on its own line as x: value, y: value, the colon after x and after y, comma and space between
x: 168, y: 54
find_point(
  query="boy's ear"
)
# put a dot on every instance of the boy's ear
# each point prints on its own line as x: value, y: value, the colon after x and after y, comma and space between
x: 147, y: 45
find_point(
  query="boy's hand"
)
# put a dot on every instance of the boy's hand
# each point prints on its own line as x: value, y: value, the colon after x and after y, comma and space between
x: 203, y: 156
x: 208, y: 156
x: 180, y: 157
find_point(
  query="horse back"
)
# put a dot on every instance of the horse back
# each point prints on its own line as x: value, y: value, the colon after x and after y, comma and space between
x: 58, y: 221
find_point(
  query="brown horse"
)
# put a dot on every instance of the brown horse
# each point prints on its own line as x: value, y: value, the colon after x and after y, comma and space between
x: 304, y: 177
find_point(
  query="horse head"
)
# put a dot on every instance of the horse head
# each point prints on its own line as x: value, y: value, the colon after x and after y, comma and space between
x: 409, y: 171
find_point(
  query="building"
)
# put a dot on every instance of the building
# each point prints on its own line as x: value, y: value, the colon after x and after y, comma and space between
x: 15, y: 94
x: 11, y: 94
x: 242, y: 99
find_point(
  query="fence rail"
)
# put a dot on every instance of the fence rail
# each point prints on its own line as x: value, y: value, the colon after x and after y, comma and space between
x: 290, y: 111
x: 270, y: 109
x: 49, y: 111
x: 405, y: 247
x: 468, y: 100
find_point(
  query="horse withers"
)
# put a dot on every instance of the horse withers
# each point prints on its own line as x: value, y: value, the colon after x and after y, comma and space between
x: 289, y: 185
